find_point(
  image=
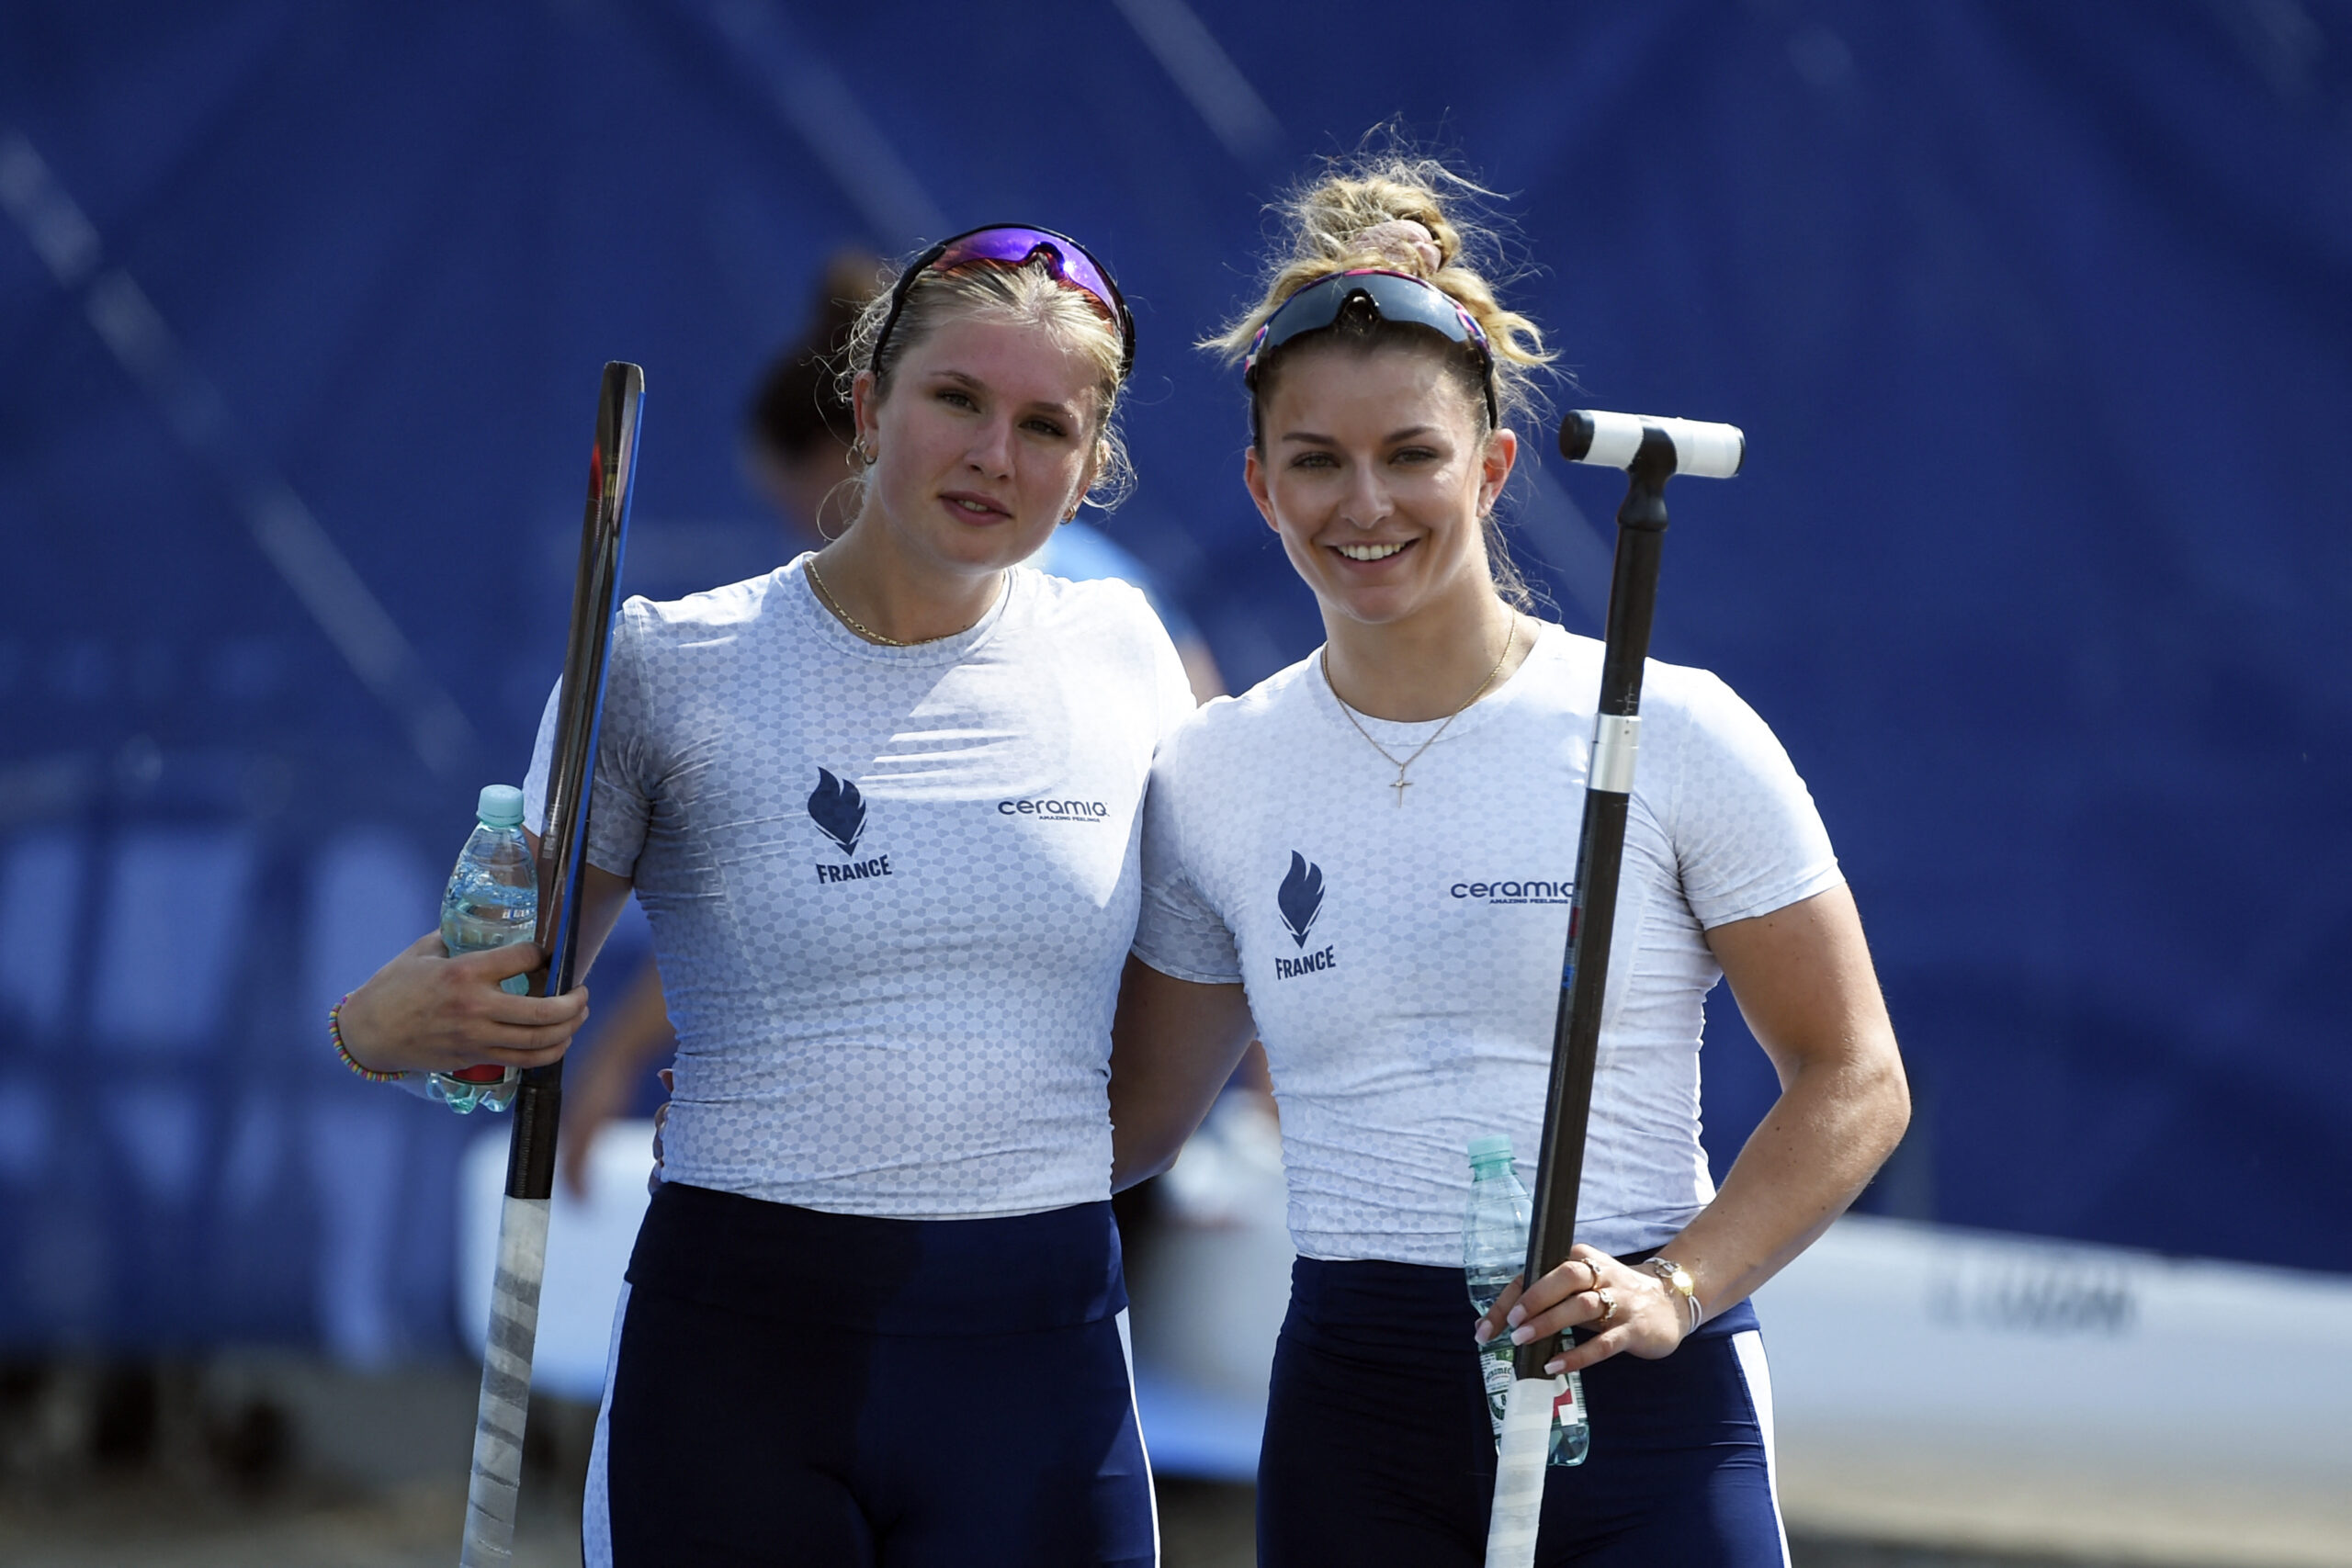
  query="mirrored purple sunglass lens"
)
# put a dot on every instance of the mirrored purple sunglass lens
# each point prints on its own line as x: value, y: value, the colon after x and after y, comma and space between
x: 998, y: 245
x: 1017, y: 245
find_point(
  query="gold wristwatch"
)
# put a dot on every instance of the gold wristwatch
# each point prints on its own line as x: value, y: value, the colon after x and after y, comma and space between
x: 1678, y: 1279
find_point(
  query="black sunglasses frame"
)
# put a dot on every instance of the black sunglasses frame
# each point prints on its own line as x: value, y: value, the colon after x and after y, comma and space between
x: 1395, y: 296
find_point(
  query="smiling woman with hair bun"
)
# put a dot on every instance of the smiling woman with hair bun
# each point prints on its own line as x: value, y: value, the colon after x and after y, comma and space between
x: 1327, y: 856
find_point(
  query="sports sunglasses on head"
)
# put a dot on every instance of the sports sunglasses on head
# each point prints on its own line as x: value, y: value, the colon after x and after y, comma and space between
x: 1016, y: 244
x: 1393, y: 297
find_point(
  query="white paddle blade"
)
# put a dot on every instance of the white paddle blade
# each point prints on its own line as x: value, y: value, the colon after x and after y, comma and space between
x: 497, y: 1481
x: 1707, y: 451
x: 1524, y: 1453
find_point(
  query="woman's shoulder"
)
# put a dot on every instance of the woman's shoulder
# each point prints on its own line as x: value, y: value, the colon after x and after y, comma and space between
x: 1687, y: 696
x: 1107, y: 600
x: 1257, y: 718
x: 657, y: 633
x: 1571, y: 666
x: 1716, y: 757
x: 730, y: 605
x: 1686, y: 711
x: 1107, y: 621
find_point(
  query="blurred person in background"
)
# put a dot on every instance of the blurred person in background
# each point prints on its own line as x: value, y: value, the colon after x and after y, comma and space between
x: 882, y: 807
x: 1290, y: 879
x: 799, y: 452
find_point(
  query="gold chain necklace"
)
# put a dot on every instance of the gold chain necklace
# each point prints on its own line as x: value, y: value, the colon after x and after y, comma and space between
x: 817, y: 581
x: 1401, y: 785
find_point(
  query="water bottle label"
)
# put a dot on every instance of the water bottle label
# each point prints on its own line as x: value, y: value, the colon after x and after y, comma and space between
x: 1567, y: 1409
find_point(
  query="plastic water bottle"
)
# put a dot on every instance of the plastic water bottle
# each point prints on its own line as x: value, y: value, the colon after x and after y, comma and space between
x: 1494, y: 1251
x: 493, y: 899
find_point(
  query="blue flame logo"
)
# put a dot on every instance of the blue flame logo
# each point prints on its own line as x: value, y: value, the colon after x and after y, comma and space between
x: 837, y: 807
x: 1301, y: 899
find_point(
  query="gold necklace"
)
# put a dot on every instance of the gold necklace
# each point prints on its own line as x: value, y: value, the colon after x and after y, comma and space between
x: 817, y: 581
x: 1401, y: 785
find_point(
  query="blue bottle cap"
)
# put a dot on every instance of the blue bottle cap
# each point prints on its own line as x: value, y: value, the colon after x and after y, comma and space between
x: 500, y: 806
x: 1493, y: 1146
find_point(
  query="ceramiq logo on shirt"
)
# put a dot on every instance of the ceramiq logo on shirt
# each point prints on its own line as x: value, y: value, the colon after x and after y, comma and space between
x: 1300, y: 900
x: 1517, y: 890
x: 839, y: 811
x: 1055, y: 810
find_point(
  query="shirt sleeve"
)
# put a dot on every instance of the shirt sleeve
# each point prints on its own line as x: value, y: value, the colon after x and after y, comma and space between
x: 1747, y: 838
x: 1178, y: 930
x: 624, y: 776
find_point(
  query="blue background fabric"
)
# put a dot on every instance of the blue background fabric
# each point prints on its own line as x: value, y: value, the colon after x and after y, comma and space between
x: 2038, y: 320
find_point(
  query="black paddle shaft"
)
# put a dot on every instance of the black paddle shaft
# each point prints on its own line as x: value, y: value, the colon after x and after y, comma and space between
x: 538, y: 1099
x: 1600, y: 854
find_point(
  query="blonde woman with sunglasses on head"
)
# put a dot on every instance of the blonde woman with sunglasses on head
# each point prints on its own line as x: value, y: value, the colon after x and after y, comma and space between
x: 1370, y: 856
x: 882, y: 807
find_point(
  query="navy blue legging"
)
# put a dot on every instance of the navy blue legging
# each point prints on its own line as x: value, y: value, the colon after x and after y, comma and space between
x: 1379, y: 1451
x: 792, y: 1387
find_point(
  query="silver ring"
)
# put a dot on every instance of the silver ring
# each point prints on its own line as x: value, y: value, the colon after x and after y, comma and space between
x: 1608, y: 1304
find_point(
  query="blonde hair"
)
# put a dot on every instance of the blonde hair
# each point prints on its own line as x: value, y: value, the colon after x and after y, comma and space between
x: 1331, y: 224
x: 1028, y: 296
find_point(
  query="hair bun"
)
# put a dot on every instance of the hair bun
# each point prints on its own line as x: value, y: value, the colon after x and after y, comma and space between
x: 1407, y: 242
x: 1402, y: 211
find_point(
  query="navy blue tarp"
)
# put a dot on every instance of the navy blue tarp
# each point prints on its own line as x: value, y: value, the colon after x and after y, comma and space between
x: 2038, y: 318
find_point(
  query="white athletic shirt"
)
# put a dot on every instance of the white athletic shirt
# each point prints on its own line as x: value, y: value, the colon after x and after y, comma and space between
x: 1402, y: 962
x: 891, y: 888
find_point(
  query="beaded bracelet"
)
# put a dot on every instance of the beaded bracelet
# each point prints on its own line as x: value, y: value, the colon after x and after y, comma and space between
x: 335, y: 1033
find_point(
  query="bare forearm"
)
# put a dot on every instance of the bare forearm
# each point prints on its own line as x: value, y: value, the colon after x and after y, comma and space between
x: 642, y: 1030
x: 426, y: 1011
x: 1173, y: 1046
x: 1149, y: 1127
x: 616, y: 1067
x: 602, y: 896
x: 1802, y: 975
x: 1826, y: 1136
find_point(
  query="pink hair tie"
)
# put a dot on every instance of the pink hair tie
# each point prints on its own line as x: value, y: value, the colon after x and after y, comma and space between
x: 1405, y: 239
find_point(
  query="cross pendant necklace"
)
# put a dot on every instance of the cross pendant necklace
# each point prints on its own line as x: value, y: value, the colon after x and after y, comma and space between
x: 1402, y: 783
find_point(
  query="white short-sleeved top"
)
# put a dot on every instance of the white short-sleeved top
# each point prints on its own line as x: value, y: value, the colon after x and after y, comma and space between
x: 1403, y: 961
x: 891, y: 888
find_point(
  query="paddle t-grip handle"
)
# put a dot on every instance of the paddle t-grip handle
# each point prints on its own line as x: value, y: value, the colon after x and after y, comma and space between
x: 1614, y: 440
